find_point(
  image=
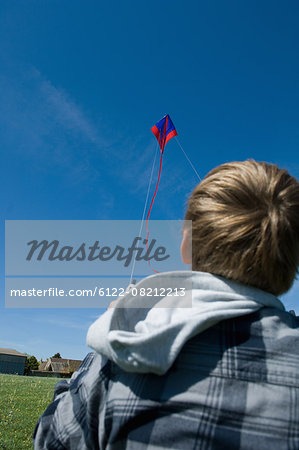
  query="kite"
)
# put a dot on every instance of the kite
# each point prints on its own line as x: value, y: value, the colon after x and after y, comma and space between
x: 164, y: 130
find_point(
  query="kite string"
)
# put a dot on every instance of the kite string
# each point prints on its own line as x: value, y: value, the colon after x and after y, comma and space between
x: 154, y: 196
x: 150, y: 208
x: 187, y: 158
x: 147, y: 195
x: 145, y: 204
x: 162, y: 145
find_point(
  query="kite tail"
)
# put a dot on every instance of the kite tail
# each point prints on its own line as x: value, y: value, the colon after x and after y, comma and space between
x: 150, y: 208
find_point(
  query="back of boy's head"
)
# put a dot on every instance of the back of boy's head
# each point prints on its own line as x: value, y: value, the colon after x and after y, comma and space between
x: 245, y: 225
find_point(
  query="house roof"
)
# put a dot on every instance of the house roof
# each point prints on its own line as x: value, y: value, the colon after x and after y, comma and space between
x: 61, y: 365
x: 42, y: 365
x: 11, y: 351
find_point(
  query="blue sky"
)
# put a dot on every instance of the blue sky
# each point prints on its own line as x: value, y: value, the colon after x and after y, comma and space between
x: 82, y: 83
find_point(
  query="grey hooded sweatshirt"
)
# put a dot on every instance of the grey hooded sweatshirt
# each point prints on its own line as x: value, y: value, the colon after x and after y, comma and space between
x: 215, y: 369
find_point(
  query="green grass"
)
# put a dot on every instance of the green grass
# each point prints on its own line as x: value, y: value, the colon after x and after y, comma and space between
x: 22, y: 401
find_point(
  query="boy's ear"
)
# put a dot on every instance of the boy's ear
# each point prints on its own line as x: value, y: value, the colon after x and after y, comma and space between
x: 186, y: 248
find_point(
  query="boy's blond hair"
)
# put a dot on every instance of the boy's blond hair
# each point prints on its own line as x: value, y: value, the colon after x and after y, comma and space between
x: 245, y: 225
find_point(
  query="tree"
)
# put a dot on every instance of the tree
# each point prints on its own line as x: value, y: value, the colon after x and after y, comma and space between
x: 57, y: 355
x: 30, y: 364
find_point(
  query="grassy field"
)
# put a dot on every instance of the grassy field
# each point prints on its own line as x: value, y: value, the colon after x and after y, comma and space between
x: 22, y: 401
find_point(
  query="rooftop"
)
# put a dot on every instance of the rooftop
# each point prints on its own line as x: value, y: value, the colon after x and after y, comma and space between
x: 10, y: 351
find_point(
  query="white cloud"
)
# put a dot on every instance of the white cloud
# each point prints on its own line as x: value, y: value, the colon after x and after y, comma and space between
x: 12, y: 344
x: 57, y: 322
x: 42, y: 124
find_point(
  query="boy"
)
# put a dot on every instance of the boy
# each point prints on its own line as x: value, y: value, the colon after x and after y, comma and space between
x: 223, y: 374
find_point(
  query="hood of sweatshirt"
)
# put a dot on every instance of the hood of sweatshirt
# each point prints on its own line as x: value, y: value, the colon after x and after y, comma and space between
x: 146, y: 337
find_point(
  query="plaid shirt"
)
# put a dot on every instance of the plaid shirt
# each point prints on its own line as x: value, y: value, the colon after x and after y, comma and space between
x: 234, y: 386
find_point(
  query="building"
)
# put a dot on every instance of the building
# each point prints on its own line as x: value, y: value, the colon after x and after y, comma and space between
x: 12, y: 361
x: 57, y: 367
